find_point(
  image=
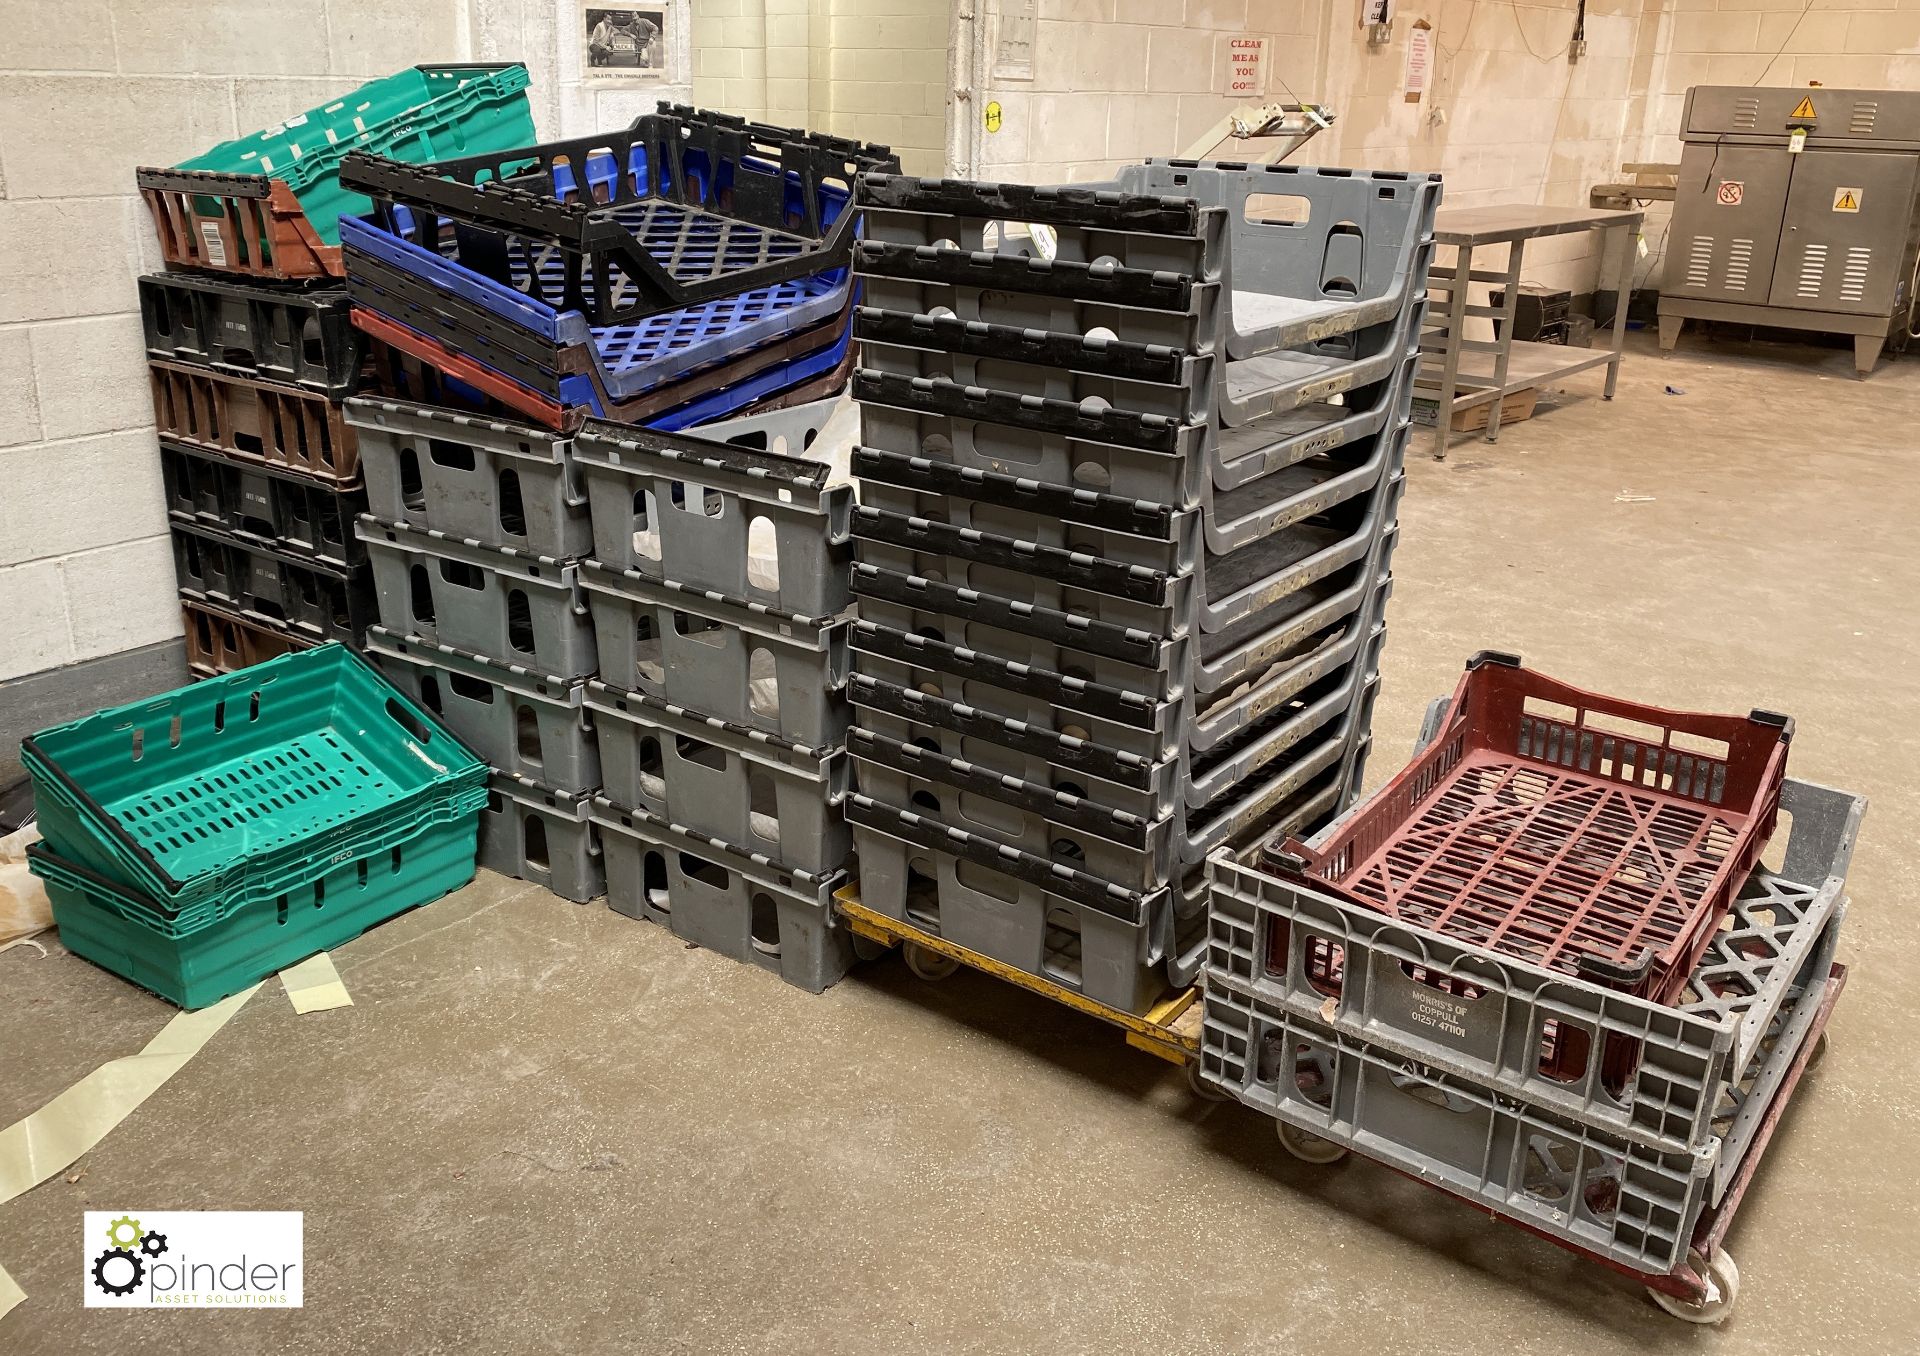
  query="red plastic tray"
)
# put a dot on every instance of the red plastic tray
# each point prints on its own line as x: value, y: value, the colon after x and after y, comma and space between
x: 517, y: 399
x: 1588, y: 834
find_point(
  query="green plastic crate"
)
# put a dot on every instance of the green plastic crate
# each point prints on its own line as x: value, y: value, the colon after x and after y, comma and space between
x: 422, y: 114
x: 249, y: 785
x: 227, y: 948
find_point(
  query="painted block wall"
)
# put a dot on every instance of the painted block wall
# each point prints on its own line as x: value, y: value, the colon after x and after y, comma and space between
x: 1505, y: 118
x: 874, y: 70
x: 1119, y: 80
x: 887, y: 70
x: 85, y: 566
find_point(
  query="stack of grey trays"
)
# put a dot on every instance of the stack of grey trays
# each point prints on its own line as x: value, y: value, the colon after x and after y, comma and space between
x: 475, y: 530
x: 1129, y: 467
x: 717, y: 587
x: 644, y: 634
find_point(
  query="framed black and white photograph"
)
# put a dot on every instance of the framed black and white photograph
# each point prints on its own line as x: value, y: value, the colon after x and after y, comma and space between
x: 630, y: 43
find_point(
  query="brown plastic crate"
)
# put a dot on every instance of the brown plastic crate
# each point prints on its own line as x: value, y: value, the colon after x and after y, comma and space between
x: 1581, y: 832
x: 220, y: 643
x: 259, y: 230
x: 255, y: 421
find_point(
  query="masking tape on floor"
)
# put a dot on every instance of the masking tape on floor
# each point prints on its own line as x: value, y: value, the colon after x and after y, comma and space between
x: 314, y: 985
x: 10, y: 1292
x: 52, y: 1138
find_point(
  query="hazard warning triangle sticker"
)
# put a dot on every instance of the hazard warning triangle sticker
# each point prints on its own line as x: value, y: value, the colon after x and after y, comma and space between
x: 1804, y: 109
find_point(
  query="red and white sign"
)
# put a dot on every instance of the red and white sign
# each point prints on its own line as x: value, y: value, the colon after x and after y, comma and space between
x: 1245, y: 58
x: 1731, y: 191
x: 1413, y: 84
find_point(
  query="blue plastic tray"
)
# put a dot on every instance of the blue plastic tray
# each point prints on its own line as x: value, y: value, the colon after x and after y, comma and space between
x: 631, y: 359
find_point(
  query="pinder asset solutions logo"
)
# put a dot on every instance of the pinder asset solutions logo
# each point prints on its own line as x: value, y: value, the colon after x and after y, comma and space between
x: 236, y: 1259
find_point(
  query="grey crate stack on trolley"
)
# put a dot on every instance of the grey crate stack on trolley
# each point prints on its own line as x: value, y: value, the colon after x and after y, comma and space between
x: 1129, y: 468
x: 1547, y: 969
x: 718, y: 593
x: 476, y: 529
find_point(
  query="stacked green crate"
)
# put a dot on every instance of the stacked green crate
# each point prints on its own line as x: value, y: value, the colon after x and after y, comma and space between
x: 203, y: 839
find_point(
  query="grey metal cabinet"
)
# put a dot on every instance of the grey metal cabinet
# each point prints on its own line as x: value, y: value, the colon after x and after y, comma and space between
x: 1815, y: 231
x: 1833, y: 260
x: 1730, y: 258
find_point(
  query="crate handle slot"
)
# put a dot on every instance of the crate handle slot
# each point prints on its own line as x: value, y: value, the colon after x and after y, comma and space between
x: 408, y: 721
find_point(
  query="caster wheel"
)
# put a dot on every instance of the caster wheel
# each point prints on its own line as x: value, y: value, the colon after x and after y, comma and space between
x: 929, y: 965
x: 1307, y: 1147
x: 1202, y: 1089
x: 1723, y: 1288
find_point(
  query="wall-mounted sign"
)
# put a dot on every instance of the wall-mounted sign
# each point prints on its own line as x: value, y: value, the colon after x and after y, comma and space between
x: 1013, y: 31
x: 1419, y: 61
x: 1244, y: 59
x: 633, y: 45
x: 993, y: 116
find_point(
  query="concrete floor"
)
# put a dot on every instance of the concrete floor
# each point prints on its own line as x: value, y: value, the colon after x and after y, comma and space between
x: 545, y: 1127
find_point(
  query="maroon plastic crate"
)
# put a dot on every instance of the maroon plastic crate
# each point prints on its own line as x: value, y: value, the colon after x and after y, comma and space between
x: 1600, y: 837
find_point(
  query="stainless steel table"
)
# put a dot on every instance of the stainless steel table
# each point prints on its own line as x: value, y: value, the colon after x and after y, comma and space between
x: 1460, y: 372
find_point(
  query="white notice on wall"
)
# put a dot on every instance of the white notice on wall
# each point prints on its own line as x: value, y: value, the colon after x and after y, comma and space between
x: 1013, y: 33
x: 1245, y: 58
x: 1419, y: 60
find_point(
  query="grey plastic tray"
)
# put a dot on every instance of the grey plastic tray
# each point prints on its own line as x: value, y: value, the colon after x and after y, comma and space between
x: 1325, y: 799
x: 920, y: 871
x: 1033, y: 817
x: 1240, y: 399
x: 957, y: 885
x: 742, y: 785
x: 901, y: 415
x: 534, y: 833
x: 1354, y: 257
x: 471, y: 476
x: 1189, y: 399
x: 1034, y: 758
x: 1100, y: 234
x: 753, y: 525
x: 741, y: 661
x: 988, y: 537
x: 1115, y: 717
x: 720, y: 898
x: 525, y: 724
x: 1063, y: 818
x: 1127, y: 531
x: 905, y: 566
x: 899, y: 281
x: 514, y: 607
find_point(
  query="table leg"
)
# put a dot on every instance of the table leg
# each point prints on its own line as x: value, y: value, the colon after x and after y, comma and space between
x: 1623, y: 273
x: 1450, y: 359
x: 1509, y: 304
